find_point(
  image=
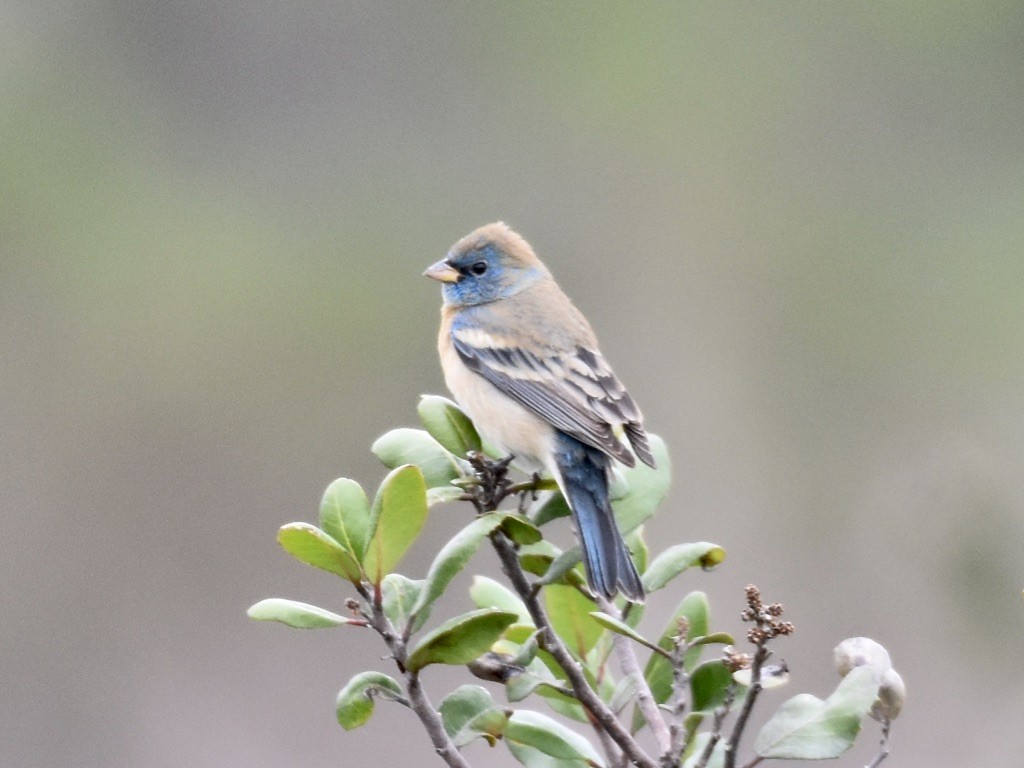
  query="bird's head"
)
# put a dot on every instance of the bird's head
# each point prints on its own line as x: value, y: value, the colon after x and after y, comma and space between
x: 491, y: 263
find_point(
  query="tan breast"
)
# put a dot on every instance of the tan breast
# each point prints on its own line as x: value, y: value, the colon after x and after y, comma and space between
x: 501, y: 421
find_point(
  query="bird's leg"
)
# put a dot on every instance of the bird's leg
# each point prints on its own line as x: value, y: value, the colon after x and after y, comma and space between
x: 531, y: 491
x: 501, y: 481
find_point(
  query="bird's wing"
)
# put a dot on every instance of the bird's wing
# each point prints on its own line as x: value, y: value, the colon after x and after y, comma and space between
x: 575, y: 390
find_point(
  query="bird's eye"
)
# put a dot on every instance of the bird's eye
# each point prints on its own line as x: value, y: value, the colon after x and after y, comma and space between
x: 478, y: 268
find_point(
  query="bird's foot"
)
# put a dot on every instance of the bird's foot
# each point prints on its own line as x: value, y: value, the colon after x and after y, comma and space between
x: 492, y: 480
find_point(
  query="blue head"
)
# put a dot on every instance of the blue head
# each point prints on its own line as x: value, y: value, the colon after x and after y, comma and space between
x: 490, y: 263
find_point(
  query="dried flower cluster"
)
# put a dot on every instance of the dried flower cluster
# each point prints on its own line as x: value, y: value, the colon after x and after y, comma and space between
x: 766, y: 618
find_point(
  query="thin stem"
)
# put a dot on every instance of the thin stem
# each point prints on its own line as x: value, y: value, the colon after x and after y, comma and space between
x: 612, y: 752
x: 550, y: 642
x: 732, y: 745
x: 631, y: 669
x: 417, y: 701
x: 677, y: 704
x: 716, y: 732
x: 431, y: 720
x: 756, y: 761
x: 883, y: 747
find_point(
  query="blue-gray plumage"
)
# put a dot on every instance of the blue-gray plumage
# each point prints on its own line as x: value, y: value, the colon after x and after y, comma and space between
x: 524, y: 364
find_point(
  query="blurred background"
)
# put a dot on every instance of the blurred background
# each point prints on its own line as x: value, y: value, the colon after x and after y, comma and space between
x: 798, y: 229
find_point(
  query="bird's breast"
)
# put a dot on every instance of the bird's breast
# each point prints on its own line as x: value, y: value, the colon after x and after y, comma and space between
x: 501, y: 421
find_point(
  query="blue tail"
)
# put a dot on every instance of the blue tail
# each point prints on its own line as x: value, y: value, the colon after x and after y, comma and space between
x: 584, y: 478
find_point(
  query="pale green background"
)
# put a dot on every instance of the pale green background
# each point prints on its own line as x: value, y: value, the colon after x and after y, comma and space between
x: 797, y: 227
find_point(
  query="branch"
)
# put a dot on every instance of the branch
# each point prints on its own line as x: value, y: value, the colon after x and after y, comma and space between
x: 732, y: 745
x: 431, y: 720
x: 716, y: 732
x: 767, y: 626
x: 418, y: 701
x: 677, y: 700
x: 631, y: 668
x: 612, y: 752
x: 551, y: 643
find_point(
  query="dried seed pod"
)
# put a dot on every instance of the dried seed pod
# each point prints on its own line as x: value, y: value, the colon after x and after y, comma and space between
x: 891, y: 695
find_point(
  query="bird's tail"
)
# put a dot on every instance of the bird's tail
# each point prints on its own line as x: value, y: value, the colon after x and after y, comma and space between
x: 583, y: 477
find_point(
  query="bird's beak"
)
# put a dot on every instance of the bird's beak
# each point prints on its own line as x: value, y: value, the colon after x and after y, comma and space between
x: 443, y: 271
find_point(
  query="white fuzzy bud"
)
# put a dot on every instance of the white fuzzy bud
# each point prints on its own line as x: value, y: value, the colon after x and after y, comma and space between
x: 860, y: 652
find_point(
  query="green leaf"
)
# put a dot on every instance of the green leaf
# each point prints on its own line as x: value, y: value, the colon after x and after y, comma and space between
x: 469, y: 712
x: 414, y: 446
x: 459, y: 640
x: 568, y: 708
x: 698, y: 745
x: 561, y: 565
x: 536, y: 558
x: 527, y: 651
x: 638, y: 548
x: 544, y: 676
x: 447, y: 424
x: 520, y: 530
x: 647, y: 488
x: 312, y: 546
x: 709, y: 683
x: 715, y: 638
x: 517, y: 633
x: 454, y: 556
x: 531, y: 731
x: 691, y: 723
x: 658, y: 671
x: 399, y: 511
x: 618, y: 487
x: 621, y: 628
x: 356, y: 699
x: 677, y: 559
x: 807, y: 728
x: 345, y: 516
x: 548, y: 507
x: 444, y: 494
x: 398, y: 595
x: 488, y: 593
x: 569, y: 612
x: 518, y: 687
x: 295, y: 614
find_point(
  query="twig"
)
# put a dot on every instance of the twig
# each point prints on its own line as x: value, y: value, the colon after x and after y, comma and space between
x: 612, y: 752
x: 767, y: 626
x: 431, y: 720
x: 716, y: 731
x: 677, y: 700
x: 883, y: 747
x: 551, y: 643
x: 417, y: 701
x: 733, y: 743
x: 492, y: 486
x: 631, y: 669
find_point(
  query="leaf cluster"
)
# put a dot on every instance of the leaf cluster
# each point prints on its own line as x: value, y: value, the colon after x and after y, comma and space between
x: 542, y: 637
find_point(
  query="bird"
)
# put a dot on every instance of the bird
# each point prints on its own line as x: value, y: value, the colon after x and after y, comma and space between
x: 523, y: 363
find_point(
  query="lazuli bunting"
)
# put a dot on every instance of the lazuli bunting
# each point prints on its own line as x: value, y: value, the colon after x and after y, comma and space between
x: 523, y: 363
